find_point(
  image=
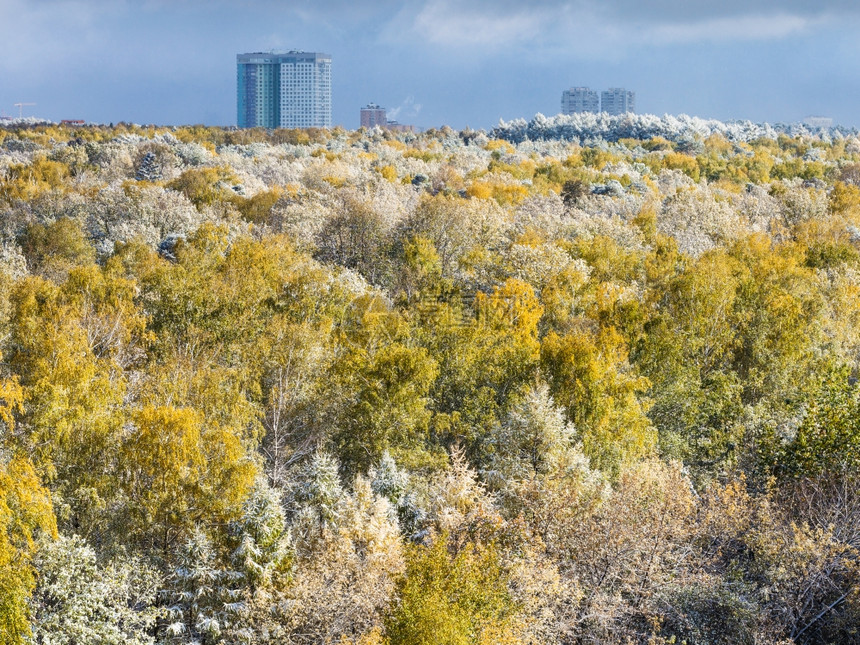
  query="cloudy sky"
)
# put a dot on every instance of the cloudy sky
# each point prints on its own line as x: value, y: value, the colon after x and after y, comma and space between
x: 434, y: 62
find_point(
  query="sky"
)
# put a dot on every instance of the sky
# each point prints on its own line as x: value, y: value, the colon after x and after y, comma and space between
x: 463, y: 63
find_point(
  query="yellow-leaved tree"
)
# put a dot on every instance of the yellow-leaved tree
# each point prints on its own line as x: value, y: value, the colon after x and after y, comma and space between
x: 25, y: 514
x: 589, y: 375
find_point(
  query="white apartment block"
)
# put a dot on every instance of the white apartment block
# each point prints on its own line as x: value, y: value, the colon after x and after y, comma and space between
x: 617, y: 100
x: 579, y: 99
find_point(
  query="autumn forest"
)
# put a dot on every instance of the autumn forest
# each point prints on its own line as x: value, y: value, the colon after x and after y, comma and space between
x: 533, y: 386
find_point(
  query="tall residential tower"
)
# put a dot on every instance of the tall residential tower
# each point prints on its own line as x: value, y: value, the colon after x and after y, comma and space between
x: 617, y: 100
x: 291, y: 90
x: 579, y: 99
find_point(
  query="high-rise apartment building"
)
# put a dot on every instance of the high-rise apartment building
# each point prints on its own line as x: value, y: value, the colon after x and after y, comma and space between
x: 372, y: 115
x: 579, y: 99
x: 617, y: 100
x: 818, y: 121
x: 290, y: 90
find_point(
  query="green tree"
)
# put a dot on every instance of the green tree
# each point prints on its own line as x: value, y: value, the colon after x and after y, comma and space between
x: 452, y: 599
x: 486, y: 356
x: 390, y: 411
x: 53, y: 249
x: 687, y: 354
x: 589, y: 375
x: 827, y: 442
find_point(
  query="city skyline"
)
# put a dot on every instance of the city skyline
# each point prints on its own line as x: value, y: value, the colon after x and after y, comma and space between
x: 434, y: 62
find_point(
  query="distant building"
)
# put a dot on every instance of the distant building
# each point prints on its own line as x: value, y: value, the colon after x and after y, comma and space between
x: 617, y: 100
x: 372, y: 115
x: 72, y: 122
x: 394, y: 126
x: 818, y: 121
x: 579, y: 99
x: 289, y: 90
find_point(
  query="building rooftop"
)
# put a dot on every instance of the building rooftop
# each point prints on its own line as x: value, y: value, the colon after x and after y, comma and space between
x: 318, y: 55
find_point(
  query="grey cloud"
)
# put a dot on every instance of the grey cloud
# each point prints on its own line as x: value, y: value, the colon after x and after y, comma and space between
x: 610, y: 30
x: 669, y: 10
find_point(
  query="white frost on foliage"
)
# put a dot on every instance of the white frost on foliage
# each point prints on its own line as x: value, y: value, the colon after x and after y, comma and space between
x: 699, y: 221
x: 584, y: 126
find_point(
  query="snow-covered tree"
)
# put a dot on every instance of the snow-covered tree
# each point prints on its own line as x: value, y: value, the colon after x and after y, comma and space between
x: 261, y: 536
x: 79, y: 600
x: 316, y: 500
x: 201, y: 595
x: 148, y: 169
x: 392, y: 483
x: 535, y: 438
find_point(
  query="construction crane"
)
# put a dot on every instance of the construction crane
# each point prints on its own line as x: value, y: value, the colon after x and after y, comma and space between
x: 20, y: 107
